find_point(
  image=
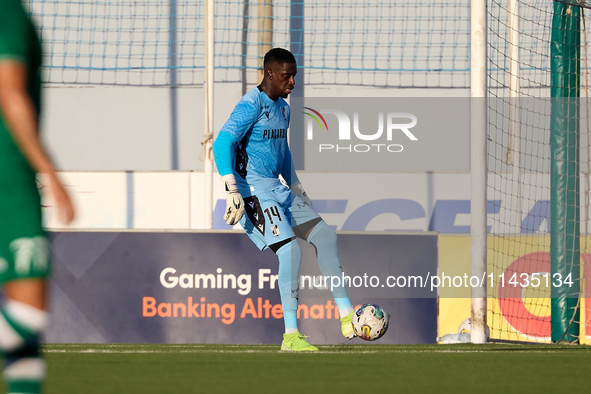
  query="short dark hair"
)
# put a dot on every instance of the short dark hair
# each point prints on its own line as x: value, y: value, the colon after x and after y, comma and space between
x: 278, y: 55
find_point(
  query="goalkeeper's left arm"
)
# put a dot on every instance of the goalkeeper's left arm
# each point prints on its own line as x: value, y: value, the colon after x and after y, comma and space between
x: 222, y: 153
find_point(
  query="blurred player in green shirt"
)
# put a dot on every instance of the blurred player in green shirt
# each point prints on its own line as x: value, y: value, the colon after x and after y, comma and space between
x: 24, y: 255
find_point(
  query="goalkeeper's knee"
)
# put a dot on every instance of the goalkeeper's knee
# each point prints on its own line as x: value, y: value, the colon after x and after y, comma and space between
x: 20, y: 326
x: 324, y: 240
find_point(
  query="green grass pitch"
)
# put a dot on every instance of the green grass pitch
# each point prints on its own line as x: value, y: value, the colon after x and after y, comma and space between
x: 491, y: 368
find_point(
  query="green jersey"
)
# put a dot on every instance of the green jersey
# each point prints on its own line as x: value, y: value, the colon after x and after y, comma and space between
x: 19, y: 42
x: 23, y: 245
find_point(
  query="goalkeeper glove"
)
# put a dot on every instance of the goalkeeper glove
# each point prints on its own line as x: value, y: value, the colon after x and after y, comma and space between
x: 301, y: 193
x: 234, y: 201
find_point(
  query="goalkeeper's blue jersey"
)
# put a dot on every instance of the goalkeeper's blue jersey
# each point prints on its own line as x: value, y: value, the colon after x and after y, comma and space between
x: 259, y: 152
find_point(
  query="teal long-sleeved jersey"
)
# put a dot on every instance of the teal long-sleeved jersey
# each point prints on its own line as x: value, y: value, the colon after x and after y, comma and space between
x: 253, y: 145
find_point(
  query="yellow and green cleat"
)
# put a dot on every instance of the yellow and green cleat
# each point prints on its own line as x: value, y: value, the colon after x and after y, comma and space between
x: 347, y: 327
x: 296, y: 342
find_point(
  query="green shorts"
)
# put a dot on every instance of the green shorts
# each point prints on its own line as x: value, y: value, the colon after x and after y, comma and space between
x: 24, y: 251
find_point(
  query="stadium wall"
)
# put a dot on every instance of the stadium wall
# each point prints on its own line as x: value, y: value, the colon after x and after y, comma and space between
x: 347, y: 201
x: 171, y: 202
x: 178, y: 287
x: 127, y: 128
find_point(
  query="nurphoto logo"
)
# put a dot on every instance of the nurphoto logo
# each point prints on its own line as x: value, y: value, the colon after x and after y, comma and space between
x: 397, y: 123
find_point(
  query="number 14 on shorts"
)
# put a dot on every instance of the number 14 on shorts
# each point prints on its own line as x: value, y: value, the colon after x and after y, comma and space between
x: 272, y: 212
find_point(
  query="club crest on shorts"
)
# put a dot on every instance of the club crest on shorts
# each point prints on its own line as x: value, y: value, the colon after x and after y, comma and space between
x: 275, y: 230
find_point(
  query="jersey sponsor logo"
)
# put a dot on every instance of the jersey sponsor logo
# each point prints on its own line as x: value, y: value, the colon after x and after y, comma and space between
x: 274, y: 134
x: 255, y: 213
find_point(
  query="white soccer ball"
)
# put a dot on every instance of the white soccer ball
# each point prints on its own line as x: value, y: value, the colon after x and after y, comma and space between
x: 370, y: 322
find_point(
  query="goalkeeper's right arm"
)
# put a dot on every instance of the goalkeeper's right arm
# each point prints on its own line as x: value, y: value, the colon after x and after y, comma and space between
x: 234, y: 201
x: 222, y: 153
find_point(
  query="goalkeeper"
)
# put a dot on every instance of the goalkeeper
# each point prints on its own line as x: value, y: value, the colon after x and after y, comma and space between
x: 251, y: 152
x: 24, y: 253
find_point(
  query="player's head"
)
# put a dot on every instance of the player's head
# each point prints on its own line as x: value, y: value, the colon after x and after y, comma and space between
x: 280, y: 71
x: 279, y: 56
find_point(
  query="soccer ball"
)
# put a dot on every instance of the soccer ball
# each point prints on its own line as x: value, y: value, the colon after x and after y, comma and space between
x: 370, y: 322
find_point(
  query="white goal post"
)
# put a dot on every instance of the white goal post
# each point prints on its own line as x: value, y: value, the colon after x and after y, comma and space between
x: 478, y: 124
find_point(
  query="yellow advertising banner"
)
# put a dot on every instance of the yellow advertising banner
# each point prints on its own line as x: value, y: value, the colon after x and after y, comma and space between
x: 518, y: 282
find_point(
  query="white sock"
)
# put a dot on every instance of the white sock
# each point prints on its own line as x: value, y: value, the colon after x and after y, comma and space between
x: 291, y: 330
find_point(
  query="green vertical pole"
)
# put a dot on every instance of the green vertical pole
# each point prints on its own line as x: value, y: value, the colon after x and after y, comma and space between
x: 564, y: 146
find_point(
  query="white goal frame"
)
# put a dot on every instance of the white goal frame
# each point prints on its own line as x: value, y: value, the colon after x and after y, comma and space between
x: 478, y: 165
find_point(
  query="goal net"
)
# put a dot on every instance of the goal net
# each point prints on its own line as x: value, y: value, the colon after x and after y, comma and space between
x: 538, y: 171
x: 402, y: 43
